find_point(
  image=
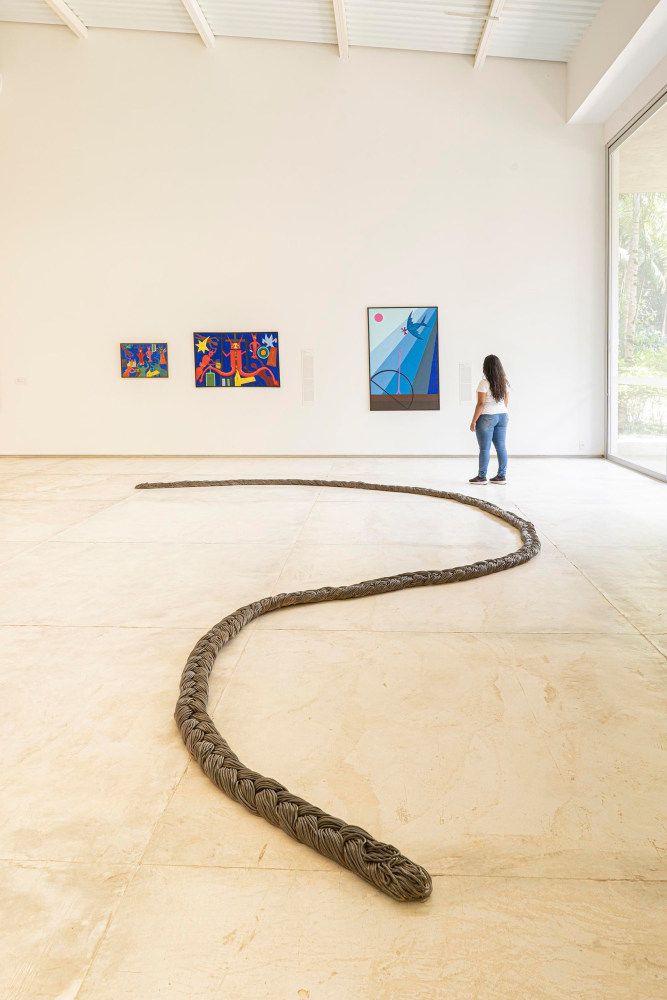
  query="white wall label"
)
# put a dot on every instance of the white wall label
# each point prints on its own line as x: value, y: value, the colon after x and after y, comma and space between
x: 465, y: 382
x: 307, y: 376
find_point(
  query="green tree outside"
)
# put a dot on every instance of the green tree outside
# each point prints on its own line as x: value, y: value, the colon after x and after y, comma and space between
x: 642, y: 314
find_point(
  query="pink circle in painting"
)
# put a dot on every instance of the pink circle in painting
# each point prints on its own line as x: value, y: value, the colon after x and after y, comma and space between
x: 378, y: 317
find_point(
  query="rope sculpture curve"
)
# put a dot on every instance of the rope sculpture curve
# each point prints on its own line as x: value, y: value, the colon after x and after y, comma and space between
x: 382, y: 865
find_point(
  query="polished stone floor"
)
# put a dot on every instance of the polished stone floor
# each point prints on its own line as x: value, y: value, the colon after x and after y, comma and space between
x: 508, y: 733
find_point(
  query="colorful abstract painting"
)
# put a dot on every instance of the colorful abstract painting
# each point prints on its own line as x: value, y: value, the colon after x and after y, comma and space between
x: 403, y: 349
x: 144, y: 361
x: 237, y: 359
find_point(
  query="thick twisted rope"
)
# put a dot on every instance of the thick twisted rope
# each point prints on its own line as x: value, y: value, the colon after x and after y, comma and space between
x: 382, y: 865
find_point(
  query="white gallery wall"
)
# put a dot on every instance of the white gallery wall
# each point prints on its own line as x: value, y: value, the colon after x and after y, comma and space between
x: 150, y: 188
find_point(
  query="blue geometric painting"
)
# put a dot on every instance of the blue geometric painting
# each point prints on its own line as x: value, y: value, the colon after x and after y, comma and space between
x: 403, y: 348
x: 246, y: 360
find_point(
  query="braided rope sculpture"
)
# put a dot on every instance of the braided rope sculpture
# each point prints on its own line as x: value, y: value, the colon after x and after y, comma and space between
x: 382, y: 865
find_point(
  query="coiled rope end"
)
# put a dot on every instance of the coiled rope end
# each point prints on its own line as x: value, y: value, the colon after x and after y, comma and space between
x: 388, y: 870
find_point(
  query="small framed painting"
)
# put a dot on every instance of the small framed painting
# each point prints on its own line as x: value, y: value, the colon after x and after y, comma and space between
x: 239, y: 360
x: 144, y: 361
x: 403, y: 354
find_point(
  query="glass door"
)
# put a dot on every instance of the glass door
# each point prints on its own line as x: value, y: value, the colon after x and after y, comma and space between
x: 637, y: 339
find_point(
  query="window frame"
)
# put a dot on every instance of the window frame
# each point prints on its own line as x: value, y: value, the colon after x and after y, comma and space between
x: 614, y: 143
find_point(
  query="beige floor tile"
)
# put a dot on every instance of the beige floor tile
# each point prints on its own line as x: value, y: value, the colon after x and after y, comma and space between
x: 53, y: 918
x: 37, y: 520
x: 317, y: 565
x: 508, y: 733
x: 545, y: 595
x: 487, y: 754
x: 447, y: 512
x: 134, y: 583
x: 205, y: 934
x: 610, y: 524
x: 117, y: 486
x: 153, y: 520
x: 600, y: 703
x: 660, y: 640
x: 539, y: 480
x: 10, y: 549
x: 634, y: 579
x: 312, y: 566
x: 425, y: 521
x: 584, y: 481
x: 144, y: 466
x: 50, y: 486
x: 437, y: 473
x: 247, y: 467
x: 92, y: 753
x: 14, y: 465
x: 451, y: 475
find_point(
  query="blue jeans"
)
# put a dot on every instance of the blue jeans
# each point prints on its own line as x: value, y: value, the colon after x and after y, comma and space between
x: 492, y: 427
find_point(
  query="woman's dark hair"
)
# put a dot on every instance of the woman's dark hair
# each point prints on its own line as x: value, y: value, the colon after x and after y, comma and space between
x: 494, y: 373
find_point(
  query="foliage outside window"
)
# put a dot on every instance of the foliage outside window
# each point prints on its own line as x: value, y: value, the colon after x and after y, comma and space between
x: 642, y: 314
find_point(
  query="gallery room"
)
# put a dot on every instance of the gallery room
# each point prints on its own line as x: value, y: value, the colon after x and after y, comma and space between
x: 333, y: 510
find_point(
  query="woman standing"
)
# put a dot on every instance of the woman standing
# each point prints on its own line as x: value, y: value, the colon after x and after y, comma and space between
x: 490, y: 418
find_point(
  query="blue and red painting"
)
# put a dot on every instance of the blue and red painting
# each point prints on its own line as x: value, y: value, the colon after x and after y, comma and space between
x: 403, y: 349
x: 237, y: 359
x: 144, y: 361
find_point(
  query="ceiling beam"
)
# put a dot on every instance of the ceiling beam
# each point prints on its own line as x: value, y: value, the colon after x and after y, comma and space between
x: 68, y: 17
x: 623, y: 44
x: 341, y: 28
x: 200, y: 22
x: 491, y: 21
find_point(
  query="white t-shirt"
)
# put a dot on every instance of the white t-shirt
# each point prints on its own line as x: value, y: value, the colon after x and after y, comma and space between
x: 491, y: 405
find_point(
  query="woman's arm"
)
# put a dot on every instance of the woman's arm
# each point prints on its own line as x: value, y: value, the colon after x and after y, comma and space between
x: 481, y: 400
x: 507, y: 398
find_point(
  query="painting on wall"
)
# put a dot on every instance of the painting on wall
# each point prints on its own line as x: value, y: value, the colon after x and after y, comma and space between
x: 144, y: 361
x: 237, y: 359
x: 403, y: 351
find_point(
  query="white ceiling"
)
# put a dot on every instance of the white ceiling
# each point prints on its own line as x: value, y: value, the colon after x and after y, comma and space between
x: 525, y: 29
